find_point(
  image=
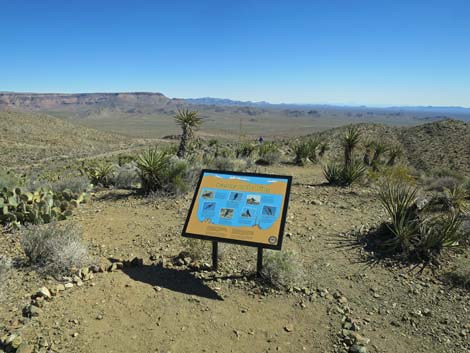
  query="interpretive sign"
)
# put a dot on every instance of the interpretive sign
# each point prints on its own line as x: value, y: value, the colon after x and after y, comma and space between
x: 240, y: 208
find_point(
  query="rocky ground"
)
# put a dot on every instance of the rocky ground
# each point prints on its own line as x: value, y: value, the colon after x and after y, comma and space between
x: 163, y: 305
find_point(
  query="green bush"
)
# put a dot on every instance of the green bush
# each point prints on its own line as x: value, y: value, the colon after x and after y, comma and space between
x: 55, y: 249
x: 343, y: 175
x: 282, y: 269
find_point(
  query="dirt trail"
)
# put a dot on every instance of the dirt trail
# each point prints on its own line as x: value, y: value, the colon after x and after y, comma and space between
x: 168, y: 309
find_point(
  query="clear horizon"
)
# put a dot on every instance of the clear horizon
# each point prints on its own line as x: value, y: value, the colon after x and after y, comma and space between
x: 328, y: 52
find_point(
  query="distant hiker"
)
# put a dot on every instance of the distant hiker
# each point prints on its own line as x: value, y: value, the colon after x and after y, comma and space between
x: 261, y: 139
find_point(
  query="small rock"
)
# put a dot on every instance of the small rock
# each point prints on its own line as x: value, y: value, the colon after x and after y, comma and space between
x: 289, y: 328
x: 427, y: 312
x: 355, y: 348
x: 16, y: 342
x: 43, y: 292
x: 32, y: 311
x: 99, y: 317
x: 68, y: 285
x: 24, y: 348
x: 60, y: 287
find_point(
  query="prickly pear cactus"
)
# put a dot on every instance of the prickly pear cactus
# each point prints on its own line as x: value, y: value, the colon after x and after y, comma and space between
x: 19, y: 207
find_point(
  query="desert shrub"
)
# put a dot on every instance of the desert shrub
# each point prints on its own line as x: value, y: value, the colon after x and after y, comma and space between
x: 343, y: 175
x: 8, y: 180
x: 447, y: 172
x: 76, y: 184
x: 124, y: 159
x: 5, y: 268
x: 159, y: 172
x: 442, y: 183
x: 415, y: 231
x: 245, y: 150
x: 396, y: 173
x: 55, y: 249
x: 282, y: 269
x: 269, y: 154
x: 126, y: 176
x: 100, y: 173
x: 229, y: 164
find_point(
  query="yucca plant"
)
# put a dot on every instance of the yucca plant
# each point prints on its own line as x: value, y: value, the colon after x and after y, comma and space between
x: 312, y: 147
x: 394, y: 153
x: 152, y: 166
x: 333, y: 173
x: 323, y: 148
x: 440, y: 232
x: 352, y: 173
x: 343, y: 175
x: 100, y: 173
x: 189, y: 122
x: 368, y: 144
x: 419, y: 234
x: 397, y: 200
x: 379, y: 149
x: 452, y: 199
x: 301, y: 152
x: 349, y: 141
x: 245, y: 150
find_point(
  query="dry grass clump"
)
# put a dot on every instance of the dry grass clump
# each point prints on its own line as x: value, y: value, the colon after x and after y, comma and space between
x: 55, y: 249
x: 76, y: 184
x: 196, y: 249
x: 282, y: 269
x: 5, y: 268
x: 126, y: 176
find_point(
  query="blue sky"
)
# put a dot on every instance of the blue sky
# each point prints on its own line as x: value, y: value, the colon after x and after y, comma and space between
x: 349, y: 52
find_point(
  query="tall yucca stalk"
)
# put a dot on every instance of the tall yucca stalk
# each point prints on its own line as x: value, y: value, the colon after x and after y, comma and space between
x: 189, y: 121
x: 349, y: 141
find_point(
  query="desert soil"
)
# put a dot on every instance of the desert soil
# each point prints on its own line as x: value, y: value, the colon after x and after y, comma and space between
x: 167, y: 308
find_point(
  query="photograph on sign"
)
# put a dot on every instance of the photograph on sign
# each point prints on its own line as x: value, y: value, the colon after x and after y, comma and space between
x: 235, y: 207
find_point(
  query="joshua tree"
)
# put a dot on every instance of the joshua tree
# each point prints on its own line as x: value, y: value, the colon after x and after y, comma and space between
x: 350, y: 141
x: 189, y: 122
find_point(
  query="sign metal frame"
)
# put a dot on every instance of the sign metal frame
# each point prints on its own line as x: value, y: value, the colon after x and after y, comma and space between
x: 260, y: 246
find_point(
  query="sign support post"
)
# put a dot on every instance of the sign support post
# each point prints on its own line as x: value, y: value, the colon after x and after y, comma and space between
x: 215, y: 255
x: 259, y: 262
